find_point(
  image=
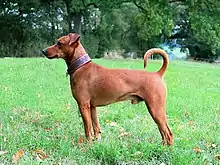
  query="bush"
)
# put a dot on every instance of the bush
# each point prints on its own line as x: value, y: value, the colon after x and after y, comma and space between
x: 27, y: 49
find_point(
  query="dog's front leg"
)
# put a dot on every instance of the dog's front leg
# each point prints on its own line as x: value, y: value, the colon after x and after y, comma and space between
x: 95, y: 123
x: 86, y: 116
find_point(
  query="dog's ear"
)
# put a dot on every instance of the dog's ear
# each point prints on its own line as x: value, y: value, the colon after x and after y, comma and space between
x: 74, y: 37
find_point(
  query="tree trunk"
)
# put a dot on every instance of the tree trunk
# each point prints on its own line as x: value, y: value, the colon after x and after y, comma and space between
x: 21, y: 36
x: 53, y: 29
x: 73, y: 18
x: 52, y: 17
x: 69, y: 16
x: 77, y: 19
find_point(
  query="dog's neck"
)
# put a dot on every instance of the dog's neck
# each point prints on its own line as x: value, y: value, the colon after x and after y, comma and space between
x: 78, y: 52
x: 78, y: 59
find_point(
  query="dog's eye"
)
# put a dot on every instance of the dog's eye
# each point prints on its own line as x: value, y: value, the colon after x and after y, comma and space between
x: 59, y: 43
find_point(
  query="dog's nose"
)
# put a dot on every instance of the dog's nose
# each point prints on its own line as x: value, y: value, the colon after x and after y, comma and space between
x: 44, y: 52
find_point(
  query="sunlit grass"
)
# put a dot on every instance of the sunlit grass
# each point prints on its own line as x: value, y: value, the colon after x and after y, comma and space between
x: 37, y: 111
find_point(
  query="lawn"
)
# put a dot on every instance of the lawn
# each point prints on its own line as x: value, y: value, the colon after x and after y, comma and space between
x: 40, y: 121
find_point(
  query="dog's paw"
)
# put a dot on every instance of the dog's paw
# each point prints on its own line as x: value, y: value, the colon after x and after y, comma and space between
x: 98, y: 138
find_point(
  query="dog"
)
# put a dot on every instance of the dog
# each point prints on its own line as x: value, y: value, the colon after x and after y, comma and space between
x: 93, y: 85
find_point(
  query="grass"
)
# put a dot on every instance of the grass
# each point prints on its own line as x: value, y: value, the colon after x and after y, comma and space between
x: 37, y: 111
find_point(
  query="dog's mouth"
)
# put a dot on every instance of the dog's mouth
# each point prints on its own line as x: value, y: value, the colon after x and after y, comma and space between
x: 51, y: 57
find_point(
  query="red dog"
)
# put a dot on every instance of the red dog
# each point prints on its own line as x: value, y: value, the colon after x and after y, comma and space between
x: 93, y: 85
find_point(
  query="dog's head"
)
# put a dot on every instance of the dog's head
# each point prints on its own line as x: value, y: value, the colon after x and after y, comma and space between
x: 64, y: 47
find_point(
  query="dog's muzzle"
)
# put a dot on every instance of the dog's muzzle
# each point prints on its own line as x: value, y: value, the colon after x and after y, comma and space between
x: 44, y: 52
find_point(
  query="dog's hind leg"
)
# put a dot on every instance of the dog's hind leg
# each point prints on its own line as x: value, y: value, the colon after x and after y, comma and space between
x: 159, y: 116
x: 95, y: 123
x: 156, y: 105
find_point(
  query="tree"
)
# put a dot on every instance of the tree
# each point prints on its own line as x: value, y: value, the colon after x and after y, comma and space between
x: 128, y: 25
x: 198, y: 27
x: 154, y: 19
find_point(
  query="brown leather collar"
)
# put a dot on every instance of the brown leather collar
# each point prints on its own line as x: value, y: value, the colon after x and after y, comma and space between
x: 79, y: 62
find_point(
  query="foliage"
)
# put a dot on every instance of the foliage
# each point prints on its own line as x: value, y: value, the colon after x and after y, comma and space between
x: 198, y: 27
x: 152, y: 21
x: 111, y: 25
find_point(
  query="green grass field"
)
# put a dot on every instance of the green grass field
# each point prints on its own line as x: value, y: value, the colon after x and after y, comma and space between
x: 37, y: 111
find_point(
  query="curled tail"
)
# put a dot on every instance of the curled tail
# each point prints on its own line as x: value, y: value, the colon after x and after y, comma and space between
x: 163, y: 54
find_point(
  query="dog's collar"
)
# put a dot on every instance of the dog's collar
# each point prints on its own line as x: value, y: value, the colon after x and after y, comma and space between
x: 79, y: 62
